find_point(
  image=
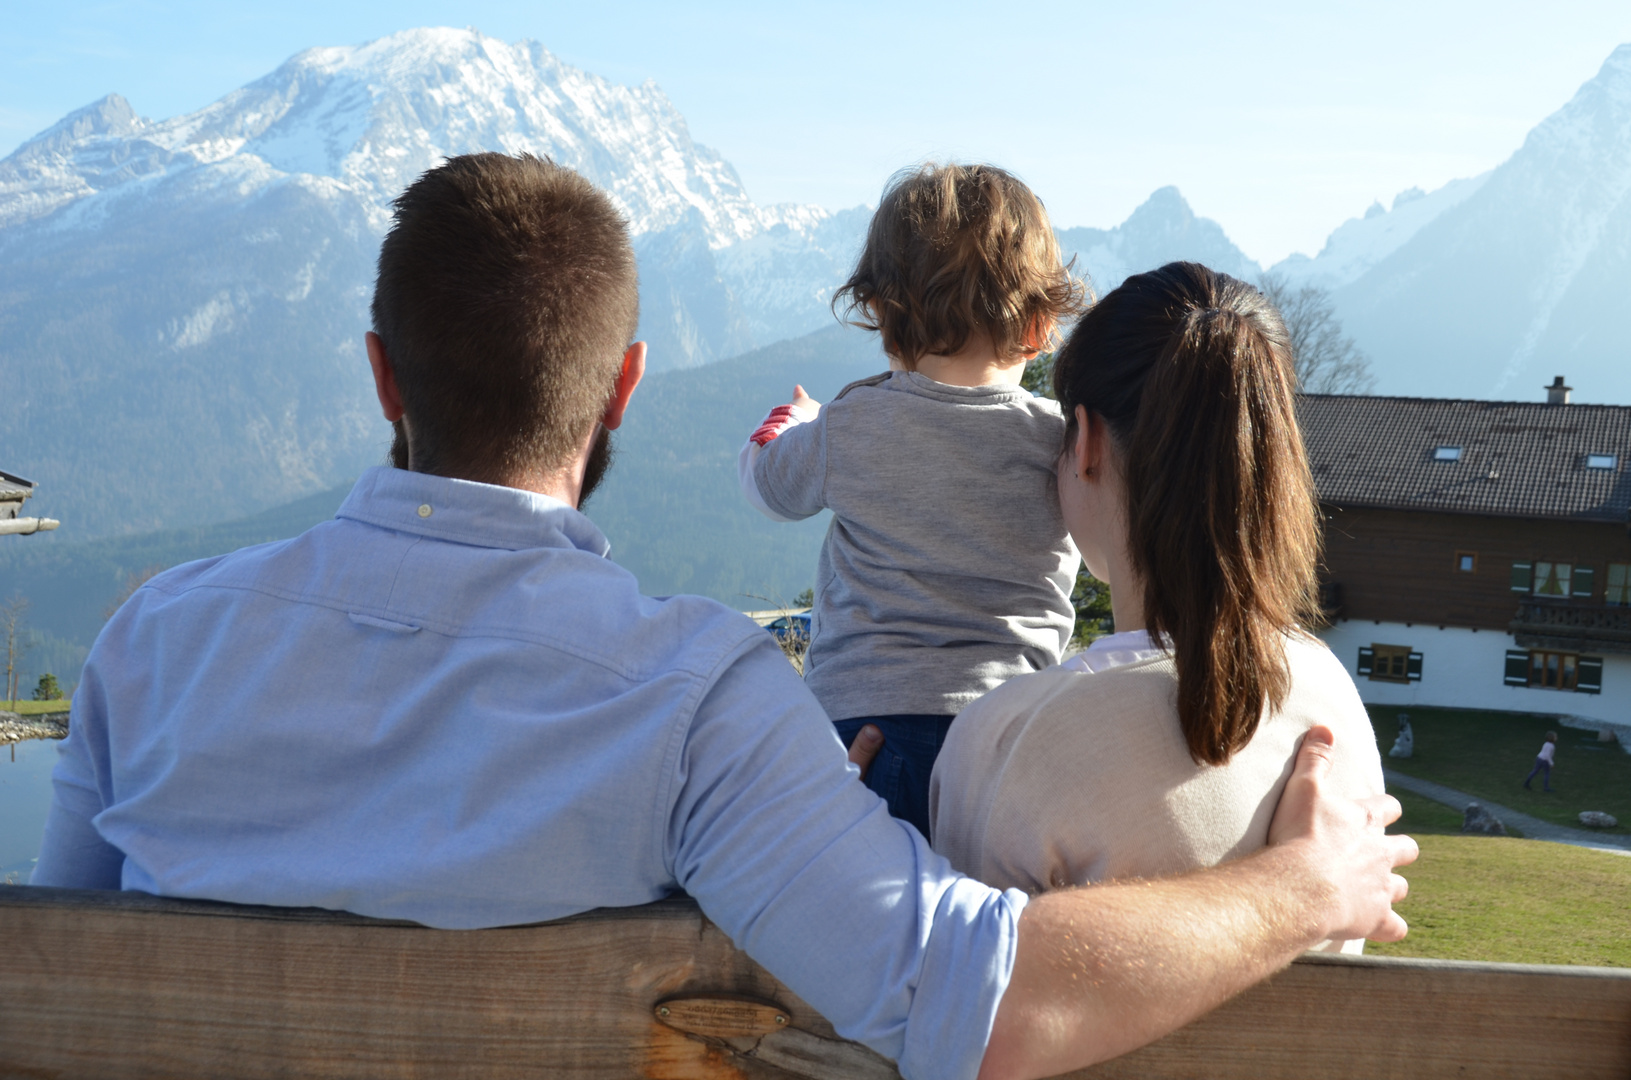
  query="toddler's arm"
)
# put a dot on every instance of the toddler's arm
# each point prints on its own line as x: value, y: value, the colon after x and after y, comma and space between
x: 782, y: 466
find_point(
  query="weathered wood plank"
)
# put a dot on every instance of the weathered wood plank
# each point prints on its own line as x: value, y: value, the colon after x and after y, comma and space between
x: 121, y: 984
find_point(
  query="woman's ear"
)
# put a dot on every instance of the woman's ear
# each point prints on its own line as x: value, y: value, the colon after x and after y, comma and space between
x: 1088, y: 450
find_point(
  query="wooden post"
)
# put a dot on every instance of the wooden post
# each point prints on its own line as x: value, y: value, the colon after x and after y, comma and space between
x: 123, y: 984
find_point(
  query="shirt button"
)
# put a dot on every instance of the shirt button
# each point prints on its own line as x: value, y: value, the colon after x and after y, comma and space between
x: 424, y: 510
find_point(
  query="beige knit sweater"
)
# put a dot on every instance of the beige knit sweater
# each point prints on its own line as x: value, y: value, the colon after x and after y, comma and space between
x: 1066, y: 777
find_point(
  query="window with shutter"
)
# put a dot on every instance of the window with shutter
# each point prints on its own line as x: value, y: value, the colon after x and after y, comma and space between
x: 1522, y: 576
x: 1413, y: 667
x: 1551, y: 670
x: 1585, y: 580
x: 1617, y: 587
x: 1590, y: 678
x: 1517, y: 667
x: 1391, y: 663
x: 1552, y: 578
x: 1367, y: 660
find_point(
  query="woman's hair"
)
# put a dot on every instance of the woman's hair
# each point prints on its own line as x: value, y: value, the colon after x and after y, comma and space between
x: 1191, y: 372
x: 956, y: 250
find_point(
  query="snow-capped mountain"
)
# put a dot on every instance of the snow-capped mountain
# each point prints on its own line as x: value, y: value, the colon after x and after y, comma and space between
x: 1161, y: 230
x: 1360, y: 243
x: 182, y: 301
x: 373, y: 117
x: 1525, y: 277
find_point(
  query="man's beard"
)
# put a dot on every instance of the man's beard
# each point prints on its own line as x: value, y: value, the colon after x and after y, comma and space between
x: 601, y: 455
x: 399, y: 445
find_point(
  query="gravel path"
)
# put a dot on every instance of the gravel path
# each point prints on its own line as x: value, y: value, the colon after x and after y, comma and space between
x: 1533, y: 828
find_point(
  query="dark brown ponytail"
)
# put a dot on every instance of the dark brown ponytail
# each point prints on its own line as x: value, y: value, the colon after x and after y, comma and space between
x: 1191, y: 372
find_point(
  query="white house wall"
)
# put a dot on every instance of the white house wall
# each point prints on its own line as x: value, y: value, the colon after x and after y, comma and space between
x: 1465, y: 669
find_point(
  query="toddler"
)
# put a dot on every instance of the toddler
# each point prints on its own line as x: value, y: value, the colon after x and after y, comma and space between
x: 947, y: 569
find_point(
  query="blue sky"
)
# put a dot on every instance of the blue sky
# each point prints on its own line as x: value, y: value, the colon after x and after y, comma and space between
x: 1279, y: 120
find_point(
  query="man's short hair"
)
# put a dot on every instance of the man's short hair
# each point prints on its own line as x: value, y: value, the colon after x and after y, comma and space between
x: 954, y: 251
x: 507, y: 294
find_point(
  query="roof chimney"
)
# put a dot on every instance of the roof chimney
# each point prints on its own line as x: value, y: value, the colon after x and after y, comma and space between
x: 1557, y: 393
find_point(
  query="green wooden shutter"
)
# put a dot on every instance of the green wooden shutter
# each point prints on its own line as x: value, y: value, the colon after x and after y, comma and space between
x: 1413, y: 667
x: 1367, y: 660
x: 1589, y: 675
x: 1584, y: 580
x: 1523, y: 576
x: 1517, y: 667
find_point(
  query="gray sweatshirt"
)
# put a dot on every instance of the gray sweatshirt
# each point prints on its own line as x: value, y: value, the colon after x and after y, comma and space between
x: 947, y: 569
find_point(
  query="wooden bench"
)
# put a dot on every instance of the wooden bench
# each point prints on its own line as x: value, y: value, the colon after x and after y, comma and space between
x: 99, y: 984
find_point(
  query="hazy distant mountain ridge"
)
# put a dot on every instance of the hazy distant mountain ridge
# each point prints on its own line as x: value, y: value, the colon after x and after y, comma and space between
x: 1523, y: 279
x: 1163, y: 229
x: 1360, y: 243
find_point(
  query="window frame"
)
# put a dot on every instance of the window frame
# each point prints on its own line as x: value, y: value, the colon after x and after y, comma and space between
x: 1384, y: 659
x: 1621, y: 595
x: 1463, y: 555
x: 1565, y: 664
x: 1559, y: 573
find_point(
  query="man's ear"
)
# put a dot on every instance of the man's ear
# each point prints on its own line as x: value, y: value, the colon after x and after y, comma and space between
x: 634, y: 369
x: 390, y: 399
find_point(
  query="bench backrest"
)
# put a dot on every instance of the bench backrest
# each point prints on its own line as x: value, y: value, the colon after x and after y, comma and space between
x: 96, y: 984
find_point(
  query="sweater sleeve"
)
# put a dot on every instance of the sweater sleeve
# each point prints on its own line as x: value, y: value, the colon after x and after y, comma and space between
x: 782, y: 467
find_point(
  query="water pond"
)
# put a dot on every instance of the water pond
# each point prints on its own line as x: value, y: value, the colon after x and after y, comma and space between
x: 25, y: 798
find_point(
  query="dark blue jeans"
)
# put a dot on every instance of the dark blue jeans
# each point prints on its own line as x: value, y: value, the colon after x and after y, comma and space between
x: 900, y: 773
x: 1541, y: 766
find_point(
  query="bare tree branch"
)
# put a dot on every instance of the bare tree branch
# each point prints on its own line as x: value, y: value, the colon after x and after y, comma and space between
x: 1327, y: 360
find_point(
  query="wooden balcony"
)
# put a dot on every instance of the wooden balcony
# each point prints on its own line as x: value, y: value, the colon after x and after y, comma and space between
x: 1577, y: 628
x: 101, y: 984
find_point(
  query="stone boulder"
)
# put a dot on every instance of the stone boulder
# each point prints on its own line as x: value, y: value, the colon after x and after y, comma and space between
x: 1481, y: 822
x: 1596, y: 819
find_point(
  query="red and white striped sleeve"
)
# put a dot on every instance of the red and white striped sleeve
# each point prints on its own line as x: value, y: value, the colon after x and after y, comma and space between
x: 780, y: 419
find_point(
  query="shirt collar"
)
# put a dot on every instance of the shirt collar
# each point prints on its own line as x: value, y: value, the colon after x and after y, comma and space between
x: 1116, y: 650
x: 483, y: 515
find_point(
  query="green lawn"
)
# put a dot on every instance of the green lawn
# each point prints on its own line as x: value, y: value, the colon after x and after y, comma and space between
x: 1514, y: 901
x: 34, y: 708
x: 1487, y: 754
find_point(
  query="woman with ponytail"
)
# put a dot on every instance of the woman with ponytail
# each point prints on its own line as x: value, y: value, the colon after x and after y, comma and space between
x: 1164, y: 746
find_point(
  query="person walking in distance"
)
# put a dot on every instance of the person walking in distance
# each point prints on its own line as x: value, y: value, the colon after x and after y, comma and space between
x: 1543, y: 763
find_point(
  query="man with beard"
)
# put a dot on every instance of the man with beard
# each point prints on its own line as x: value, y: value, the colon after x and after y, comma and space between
x: 448, y: 705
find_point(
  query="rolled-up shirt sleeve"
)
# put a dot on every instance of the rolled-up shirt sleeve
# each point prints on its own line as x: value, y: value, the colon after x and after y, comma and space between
x: 803, y: 867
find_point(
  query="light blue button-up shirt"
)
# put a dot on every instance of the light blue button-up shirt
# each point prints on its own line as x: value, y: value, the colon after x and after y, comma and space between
x: 447, y: 705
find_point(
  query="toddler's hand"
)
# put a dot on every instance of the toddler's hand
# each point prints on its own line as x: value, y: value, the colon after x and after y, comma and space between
x: 783, y: 416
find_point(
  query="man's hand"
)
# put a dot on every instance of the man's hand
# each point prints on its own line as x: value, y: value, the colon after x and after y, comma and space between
x: 801, y: 400
x: 868, y: 741
x: 1345, y: 846
x: 1102, y: 970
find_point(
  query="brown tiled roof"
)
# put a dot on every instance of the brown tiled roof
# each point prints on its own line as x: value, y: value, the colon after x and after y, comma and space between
x: 1518, y: 459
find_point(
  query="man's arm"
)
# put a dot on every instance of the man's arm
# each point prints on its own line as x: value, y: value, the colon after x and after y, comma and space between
x: 804, y: 869
x: 73, y: 854
x: 1103, y: 970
